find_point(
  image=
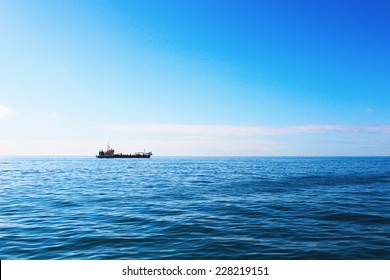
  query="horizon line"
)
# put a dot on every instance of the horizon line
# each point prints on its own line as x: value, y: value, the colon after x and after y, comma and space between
x: 220, y: 156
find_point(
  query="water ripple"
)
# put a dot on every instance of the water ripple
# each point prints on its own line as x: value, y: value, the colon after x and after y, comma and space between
x: 195, y: 208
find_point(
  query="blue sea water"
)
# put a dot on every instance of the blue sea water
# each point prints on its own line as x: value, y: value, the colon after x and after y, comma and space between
x: 195, y: 208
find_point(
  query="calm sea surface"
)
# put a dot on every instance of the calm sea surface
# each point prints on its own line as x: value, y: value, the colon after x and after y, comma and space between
x: 195, y: 208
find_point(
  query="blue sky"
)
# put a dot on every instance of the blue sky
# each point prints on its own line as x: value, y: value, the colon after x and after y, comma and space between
x: 195, y: 77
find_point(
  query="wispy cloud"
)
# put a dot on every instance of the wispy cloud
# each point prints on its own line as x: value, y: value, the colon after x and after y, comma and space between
x: 6, y: 112
x: 242, y: 131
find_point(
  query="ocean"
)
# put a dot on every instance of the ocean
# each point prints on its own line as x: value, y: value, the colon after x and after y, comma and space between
x: 195, y: 208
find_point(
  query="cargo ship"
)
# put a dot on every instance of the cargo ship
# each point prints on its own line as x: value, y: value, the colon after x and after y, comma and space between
x: 110, y: 153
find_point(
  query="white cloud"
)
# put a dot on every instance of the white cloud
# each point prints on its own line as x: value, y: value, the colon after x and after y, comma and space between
x: 52, y: 115
x: 241, y: 131
x: 6, y: 112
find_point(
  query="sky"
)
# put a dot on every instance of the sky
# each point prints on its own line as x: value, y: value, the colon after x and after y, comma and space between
x: 195, y: 78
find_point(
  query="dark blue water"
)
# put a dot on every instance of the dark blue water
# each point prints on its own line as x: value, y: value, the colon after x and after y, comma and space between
x: 195, y: 208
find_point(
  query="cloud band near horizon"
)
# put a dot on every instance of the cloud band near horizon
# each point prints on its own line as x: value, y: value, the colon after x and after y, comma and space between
x: 243, y: 131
